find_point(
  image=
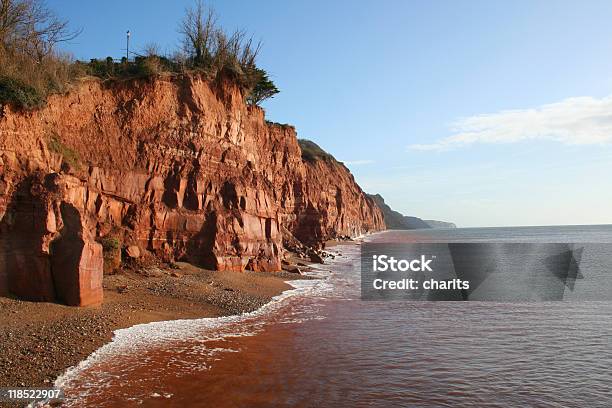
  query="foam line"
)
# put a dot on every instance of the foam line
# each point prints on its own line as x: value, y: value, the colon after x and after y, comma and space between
x: 156, y: 333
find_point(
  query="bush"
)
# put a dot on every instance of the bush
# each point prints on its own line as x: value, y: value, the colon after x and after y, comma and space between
x: 148, y: 66
x: 30, y: 66
x: 26, y: 83
x: 28, y: 75
x: 111, y: 253
x: 15, y: 92
x: 283, y: 125
x: 209, y: 48
x: 101, y: 69
x: 109, y: 244
x: 141, y: 67
x: 152, y: 65
x: 262, y: 89
x: 311, y: 151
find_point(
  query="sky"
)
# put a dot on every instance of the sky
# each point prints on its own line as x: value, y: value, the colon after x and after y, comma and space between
x: 482, y: 113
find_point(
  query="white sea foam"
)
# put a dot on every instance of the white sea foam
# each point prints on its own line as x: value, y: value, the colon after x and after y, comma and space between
x: 142, y: 336
x: 190, y: 339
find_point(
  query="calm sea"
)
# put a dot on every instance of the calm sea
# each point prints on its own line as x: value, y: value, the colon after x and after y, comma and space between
x: 320, y: 345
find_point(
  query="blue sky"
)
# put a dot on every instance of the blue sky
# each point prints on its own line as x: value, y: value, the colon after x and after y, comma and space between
x: 483, y: 113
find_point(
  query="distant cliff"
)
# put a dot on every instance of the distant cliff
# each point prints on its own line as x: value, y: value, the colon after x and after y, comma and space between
x: 178, y: 167
x: 396, y: 220
x: 440, y: 224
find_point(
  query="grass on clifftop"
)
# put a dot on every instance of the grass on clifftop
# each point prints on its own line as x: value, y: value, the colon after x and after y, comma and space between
x: 26, y: 83
x: 31, y: 68
x: 311, y: 151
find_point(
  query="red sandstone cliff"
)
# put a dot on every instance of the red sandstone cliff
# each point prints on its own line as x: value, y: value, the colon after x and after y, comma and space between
x: 176, y: 166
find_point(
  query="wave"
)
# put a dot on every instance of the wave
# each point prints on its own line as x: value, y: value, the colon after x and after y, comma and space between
x: 156, y: 334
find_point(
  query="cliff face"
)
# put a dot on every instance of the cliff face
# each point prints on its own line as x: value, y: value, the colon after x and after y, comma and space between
x: 176, y: 166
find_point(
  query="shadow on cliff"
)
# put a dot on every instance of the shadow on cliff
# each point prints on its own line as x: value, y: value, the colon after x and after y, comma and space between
x: 200, y: 246
x: 43, y: 255
x: 65, y: 254
x: 25, y: 269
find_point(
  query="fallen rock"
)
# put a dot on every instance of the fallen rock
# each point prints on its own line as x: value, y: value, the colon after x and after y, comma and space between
x: 315, y: 257
x: 292, y: 269
x: 153, y: 272
x: 133, y: 251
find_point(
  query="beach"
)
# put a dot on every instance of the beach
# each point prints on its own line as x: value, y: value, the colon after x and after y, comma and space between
x: 39, y: 341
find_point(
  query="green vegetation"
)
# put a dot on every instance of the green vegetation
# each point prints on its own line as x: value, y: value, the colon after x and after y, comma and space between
x: 69, y: 156
x: 271, y: 123
x: 23, y: 95
x: 111, y: 253
x: 26, y: 83
x: 109, y: 244
x: 209, y: 48
x: 31, y: 69
x: 141, y: 67
x: 311, y: 151
x: 264, y: 88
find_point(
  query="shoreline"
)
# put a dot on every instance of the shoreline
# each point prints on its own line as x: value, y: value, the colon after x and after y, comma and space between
x: 41, y: 341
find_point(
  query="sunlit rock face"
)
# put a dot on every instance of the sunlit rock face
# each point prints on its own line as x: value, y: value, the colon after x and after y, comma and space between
x: 179, y: 167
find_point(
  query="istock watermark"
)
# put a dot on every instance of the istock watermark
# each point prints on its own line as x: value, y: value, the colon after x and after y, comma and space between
x: 386, y: 263
x: 504, y: 272
x: 382, y: 263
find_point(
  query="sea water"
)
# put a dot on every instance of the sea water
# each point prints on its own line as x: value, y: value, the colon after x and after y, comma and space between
x: 320, y: 345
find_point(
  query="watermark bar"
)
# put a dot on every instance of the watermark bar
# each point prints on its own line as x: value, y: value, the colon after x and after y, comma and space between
x: 31, y: 394
x: 504, y: 272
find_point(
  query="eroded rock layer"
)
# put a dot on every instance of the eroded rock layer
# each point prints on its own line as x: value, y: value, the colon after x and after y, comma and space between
x: 175, y: 166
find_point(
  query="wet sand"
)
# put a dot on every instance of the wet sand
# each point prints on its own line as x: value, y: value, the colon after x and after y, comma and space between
x: 39, y: 341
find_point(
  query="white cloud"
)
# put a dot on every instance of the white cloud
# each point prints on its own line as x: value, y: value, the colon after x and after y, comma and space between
x: 572, y: 121
x: 357, y: 162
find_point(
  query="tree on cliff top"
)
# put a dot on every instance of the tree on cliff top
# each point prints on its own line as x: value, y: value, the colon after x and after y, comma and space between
x: 30, y: 67
x: 264, y: 88
x: 210, y: 48
x: 198, y: 29
x: 28, y: 27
